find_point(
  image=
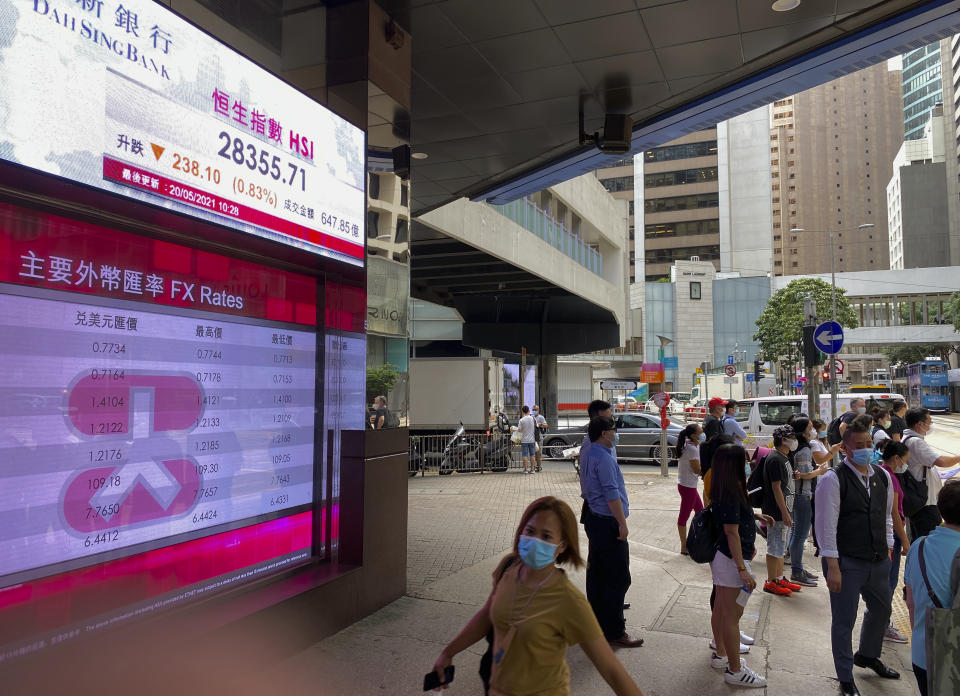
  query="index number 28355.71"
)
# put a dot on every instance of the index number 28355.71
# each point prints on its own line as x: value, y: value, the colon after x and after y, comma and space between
x: 259, y: 160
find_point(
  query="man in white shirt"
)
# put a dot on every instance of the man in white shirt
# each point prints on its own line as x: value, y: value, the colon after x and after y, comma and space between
x: 730, y: 424
x: 539, y: 432
x: 854, y: 528
x: 528, y: 442
x: 922, y: 466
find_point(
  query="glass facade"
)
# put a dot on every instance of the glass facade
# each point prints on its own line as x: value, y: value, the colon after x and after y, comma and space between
x: 922, y: 88
x: 661, y: 313
x: 737, y: 302
x: 901, y: 310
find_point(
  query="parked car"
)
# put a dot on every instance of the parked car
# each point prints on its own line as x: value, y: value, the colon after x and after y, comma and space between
x: 674, y: 408
x: 639, y: 438
x: 625, y: 403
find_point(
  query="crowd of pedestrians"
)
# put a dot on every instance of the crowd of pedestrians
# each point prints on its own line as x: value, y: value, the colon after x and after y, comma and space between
x: 864, y: 486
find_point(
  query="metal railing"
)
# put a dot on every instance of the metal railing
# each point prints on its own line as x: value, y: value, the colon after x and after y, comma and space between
x: 532, y: 218
x: 471, y: 452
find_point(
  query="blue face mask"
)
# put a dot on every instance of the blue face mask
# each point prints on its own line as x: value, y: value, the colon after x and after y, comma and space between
x: 616, y: 437
x: 536, y: 553
x: 867, y: 455
x: 746, y: 470
x: 822, y: 434
x: 535, y: 411
x: 702, y: 438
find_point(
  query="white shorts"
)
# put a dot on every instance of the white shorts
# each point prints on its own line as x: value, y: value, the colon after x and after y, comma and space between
x: 724, y: 571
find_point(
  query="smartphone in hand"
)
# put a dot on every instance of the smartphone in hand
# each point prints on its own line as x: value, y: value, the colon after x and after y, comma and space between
x: 430, y: 680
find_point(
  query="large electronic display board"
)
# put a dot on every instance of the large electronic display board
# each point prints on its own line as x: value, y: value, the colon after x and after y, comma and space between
x: 130, y: 98
x: 159, y: 414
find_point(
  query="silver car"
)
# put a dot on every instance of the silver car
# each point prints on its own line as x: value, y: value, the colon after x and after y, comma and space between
x: 639, y: 438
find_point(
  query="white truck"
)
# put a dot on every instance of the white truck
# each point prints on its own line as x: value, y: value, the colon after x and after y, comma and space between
x: 445, y: 392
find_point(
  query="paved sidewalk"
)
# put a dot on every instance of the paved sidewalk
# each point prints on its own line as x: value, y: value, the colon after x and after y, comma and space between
x: 460, y: 527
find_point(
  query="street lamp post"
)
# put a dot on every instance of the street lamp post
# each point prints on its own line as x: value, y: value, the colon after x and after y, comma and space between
x: 833, y: 297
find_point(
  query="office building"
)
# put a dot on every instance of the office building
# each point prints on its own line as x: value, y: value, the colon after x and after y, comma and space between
x: 922, y: 88
x: 917, y: 200
x: 950, y: 62
x: 830, y: 153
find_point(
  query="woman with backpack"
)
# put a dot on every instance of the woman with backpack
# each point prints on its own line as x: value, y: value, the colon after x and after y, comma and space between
x: 730, y: 567
x: 805, y: 474
x: 688, y: 471
x: 534, y: 613
x: 894, y: 458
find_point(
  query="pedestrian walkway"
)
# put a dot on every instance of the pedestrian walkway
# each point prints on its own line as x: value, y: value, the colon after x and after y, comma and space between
x: 460, y: 527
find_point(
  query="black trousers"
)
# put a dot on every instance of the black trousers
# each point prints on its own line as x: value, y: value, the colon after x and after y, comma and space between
x: 925, y: 521
x: 608, y: 573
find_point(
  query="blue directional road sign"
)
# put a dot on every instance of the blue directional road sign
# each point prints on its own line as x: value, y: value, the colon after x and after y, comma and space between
x: 729, y: 360
x: 828, y: 337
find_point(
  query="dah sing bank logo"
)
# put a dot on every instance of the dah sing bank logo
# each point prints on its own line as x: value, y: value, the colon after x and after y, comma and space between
x: 136, y: 425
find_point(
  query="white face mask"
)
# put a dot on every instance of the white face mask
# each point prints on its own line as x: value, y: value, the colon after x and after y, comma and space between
x: 811, y: 434
x: 791, y: 445
x: 861, y: 410
x: 901, y: 466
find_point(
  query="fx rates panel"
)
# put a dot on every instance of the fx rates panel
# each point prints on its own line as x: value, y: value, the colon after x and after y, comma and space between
x: 121, y: 429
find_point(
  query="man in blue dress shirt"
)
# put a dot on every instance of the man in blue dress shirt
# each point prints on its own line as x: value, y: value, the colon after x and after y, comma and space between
x: 608, y: 559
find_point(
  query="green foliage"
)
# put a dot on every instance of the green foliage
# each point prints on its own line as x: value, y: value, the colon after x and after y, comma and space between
x: 952, y: 311
x: 380, y: 380
x: 907, y: 353
x: 780, y: 325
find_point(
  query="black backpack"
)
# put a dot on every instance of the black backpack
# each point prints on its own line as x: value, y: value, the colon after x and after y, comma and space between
x: 914, y: 492
x: 708, y: 448
x: 833, y: 432
x: 703, y: 537
x: 757, y: 481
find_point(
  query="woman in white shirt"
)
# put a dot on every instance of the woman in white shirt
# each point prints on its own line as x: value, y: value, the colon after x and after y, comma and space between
x: 688, y: 470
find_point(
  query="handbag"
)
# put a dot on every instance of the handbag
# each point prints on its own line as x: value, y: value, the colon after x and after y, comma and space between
x: 942, y: 629
x: 486, y: 661
x: 517, y: 437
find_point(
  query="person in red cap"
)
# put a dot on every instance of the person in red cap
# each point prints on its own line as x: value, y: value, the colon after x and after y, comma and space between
x: 712, y: 428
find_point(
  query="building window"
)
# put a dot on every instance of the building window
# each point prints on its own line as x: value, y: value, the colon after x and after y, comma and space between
x: 373, y: 224
x: 683, y: 176
x: 673, y: 152
x: 402, y: 236
x: 404, y: 194
x: 682, y: 229
x: 694, y: 290
x: 619, y: 183
x: 374, y: 186
x: 661, y: 205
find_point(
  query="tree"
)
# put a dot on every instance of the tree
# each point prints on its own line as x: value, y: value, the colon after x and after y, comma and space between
x: 907, y: 353
x: 380, y: 380
x: 780, y: 325
x: 952, y: 311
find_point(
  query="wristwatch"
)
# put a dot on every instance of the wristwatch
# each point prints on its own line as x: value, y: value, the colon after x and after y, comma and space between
x: 741, y: 568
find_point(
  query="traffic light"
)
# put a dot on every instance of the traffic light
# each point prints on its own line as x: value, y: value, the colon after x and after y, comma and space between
x: 757, y: 369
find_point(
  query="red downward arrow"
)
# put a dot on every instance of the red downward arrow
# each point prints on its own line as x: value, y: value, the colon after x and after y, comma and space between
x: 157, y: 150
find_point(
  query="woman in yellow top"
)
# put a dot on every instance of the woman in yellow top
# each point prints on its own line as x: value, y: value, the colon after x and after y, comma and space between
x: 536, y: 612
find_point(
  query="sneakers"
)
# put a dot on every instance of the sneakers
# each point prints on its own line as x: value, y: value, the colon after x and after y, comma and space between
x: 718, y: 662
x: 792, y: 586
x: 893, y: 635
x: 804, y: 578
x: 744, y: 648
x: 745, y: 639
x: 745, y: 677
x: 776, y: 589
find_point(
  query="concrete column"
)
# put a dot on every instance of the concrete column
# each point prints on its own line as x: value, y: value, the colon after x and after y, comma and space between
x: 549, y: 392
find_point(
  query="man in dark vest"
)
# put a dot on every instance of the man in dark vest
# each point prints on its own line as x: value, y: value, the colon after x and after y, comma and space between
x: 855, y: 532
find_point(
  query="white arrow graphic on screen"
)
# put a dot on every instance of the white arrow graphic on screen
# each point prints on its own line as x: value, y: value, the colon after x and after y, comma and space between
x: 827, y: 337
x: 159, y: 482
